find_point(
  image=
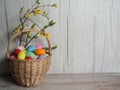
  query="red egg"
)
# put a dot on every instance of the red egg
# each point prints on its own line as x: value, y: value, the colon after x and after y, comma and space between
x: 28, y: 58
x: 16, y: 51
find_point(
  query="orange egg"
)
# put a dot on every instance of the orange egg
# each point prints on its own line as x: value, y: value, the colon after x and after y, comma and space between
x: 39, y: 52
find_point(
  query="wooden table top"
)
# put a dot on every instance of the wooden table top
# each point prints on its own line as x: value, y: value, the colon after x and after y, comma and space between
x: 69, y: 82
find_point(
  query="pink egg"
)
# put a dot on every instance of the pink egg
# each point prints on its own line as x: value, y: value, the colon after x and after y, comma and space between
x: 12, y: 57
x: 38, y: 46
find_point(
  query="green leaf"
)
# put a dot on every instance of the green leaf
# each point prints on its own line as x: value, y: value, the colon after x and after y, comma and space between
x: 36, y: 37
x: 43, y: 30
x: 29, y: 36
x: 51, y: 23
x: 54, y: 47
x: 45, y: 26
x: 37, y: 1
x: 36, y: 7
x: 33, y: 25
x: 45, y: 13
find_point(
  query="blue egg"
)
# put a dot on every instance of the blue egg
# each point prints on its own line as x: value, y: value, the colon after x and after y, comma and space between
x: 31, y: 48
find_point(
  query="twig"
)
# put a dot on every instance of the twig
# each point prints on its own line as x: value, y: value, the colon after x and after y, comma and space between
x: 23, y: 19
x: 29, y: 10
x: 45, y: 5
x: 22, y: 23
x: 31, y: 39
x: 34, y: 23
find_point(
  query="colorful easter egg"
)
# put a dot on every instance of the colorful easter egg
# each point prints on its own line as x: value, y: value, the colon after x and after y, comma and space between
x: 16, y: 51
x: 31, y: 48
x: 43, y: 56
x: 28, y: 58
x: 38, y: 46
x: 39, y: 52
x: 21, y: 48
x: 30, y: 54
x: 12, y: 57
x: 21, y: 55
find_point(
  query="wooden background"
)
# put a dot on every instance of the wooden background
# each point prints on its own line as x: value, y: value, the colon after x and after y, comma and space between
x: 87, y: 33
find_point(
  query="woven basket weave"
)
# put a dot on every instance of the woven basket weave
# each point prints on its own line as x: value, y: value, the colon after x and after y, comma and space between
x: 29, y: 73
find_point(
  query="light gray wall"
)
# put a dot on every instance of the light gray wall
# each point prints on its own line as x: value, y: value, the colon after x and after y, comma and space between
x: 87, y: 33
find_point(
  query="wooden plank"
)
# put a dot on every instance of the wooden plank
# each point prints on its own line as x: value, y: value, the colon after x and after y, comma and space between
x: 12, y: 8
x: 115, y: 20
x: 59, y: 37
x: 106, y: 81
x: 81, y: 36
x: 3, y: 39
x: 101, y: 31
x: 94, y: 36
x: 63, y: 34
x: 111, y: 58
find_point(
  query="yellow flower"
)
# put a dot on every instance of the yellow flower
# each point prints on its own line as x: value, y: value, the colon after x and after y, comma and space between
x: 27, y: 15
x: 17, y: 28
x: 28, y: 33
x: 40, y: 33
x: 39, y: 11
x: 47, y: 35
x: 55, y: 5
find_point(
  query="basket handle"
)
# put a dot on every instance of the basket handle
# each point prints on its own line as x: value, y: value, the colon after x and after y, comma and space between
x: 18, y: 34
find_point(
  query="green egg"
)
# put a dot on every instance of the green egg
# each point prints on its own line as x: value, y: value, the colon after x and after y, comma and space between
x: 30, y: 54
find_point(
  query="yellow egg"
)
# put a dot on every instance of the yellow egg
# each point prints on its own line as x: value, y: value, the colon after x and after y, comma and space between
x: 21, y: 55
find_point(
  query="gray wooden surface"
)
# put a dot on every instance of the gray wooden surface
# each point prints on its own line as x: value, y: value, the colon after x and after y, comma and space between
x: 87, y: 33
x: 69, y: 82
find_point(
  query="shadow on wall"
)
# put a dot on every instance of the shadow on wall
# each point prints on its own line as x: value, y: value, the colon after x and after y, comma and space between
x: 3, y: 47
x: 4, y: 68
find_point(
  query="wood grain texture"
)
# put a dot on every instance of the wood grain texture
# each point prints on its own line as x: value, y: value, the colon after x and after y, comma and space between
x: 81, y: 35
x: 12, y: 9
x: 69, y: 82
x: 86, y: 32
x: 113, y: 42
x: 93, y: 36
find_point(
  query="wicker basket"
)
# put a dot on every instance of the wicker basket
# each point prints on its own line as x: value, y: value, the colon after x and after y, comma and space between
x: 29, y: 73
